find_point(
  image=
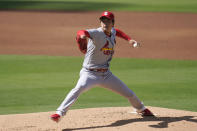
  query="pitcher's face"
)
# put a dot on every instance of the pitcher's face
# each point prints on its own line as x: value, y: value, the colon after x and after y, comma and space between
x: 106, y: 24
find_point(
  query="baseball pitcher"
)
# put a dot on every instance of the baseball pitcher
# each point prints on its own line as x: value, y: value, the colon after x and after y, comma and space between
x: 98, y: 47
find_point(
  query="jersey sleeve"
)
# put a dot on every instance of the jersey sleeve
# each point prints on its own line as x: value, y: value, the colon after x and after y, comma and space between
x: 93, y: 33
x: 122, y: 35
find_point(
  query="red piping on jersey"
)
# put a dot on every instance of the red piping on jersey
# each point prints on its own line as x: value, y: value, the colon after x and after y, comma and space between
x: 121, y: 34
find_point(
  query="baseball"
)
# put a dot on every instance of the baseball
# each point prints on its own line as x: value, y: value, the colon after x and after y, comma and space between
x: 135, y: 44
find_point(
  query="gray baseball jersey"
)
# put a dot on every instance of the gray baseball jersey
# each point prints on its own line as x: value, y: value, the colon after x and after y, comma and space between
x: 99, y: 49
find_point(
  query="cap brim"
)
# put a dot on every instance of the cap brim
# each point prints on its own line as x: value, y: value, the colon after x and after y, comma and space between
x: 102, y: 17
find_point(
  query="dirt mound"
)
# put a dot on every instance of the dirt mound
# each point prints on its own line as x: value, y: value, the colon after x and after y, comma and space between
x: 103, y: 119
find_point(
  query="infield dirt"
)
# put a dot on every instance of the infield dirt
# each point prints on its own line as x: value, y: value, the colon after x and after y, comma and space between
x: 162, y: 35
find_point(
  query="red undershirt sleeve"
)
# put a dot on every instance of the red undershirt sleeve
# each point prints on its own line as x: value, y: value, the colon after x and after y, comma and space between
x: 83, y: 32
x: 122, y: 35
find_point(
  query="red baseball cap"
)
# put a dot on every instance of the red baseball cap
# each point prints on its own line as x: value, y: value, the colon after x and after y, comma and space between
x: 108, y: 15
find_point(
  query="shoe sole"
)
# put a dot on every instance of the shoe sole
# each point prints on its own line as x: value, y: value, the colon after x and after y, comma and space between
x: 134, y: 112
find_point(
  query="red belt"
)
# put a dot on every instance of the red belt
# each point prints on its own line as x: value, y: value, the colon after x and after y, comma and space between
x: 99, y: 70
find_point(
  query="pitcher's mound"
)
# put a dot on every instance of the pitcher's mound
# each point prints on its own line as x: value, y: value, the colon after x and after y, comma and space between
x: 103, y: 119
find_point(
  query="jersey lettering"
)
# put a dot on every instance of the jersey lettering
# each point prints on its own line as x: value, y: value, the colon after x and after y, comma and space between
x: 106, y: 50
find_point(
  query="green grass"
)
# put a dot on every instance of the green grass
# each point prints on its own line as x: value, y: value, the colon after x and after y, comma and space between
x: 100, y: 5
x: 40, y: 83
